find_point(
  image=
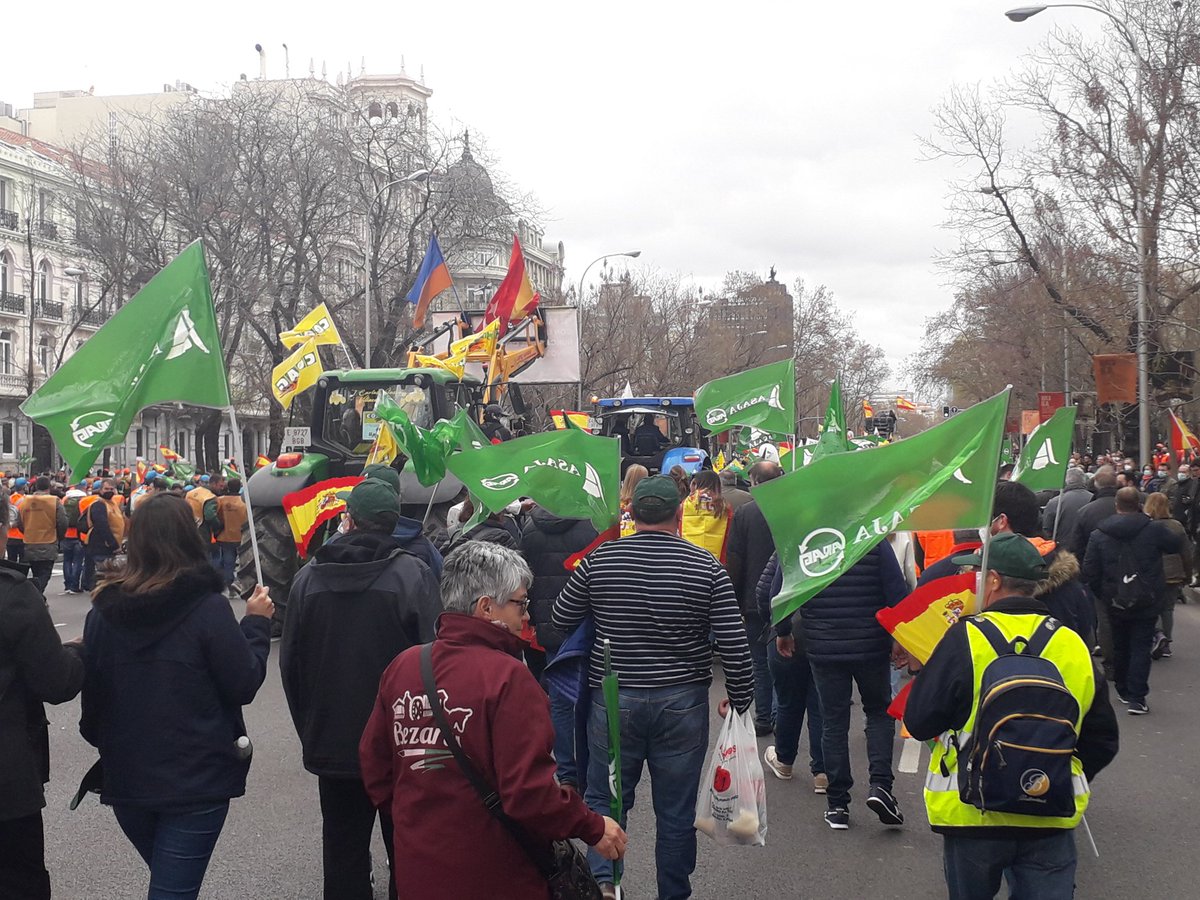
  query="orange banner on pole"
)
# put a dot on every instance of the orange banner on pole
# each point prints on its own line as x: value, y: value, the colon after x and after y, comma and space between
x: 1029, y: 420
x: 1116, y: 377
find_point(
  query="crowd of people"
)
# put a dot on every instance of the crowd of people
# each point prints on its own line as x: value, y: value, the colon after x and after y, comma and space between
x: 470, y: 706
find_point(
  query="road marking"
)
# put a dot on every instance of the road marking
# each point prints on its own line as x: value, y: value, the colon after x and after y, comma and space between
x: 910, y: 756
x: 60, y: 624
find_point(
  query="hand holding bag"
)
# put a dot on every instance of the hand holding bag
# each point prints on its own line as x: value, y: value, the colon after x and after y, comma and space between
x: 731, y: 805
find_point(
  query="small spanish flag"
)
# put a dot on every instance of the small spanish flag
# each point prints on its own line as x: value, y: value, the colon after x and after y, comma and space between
x: 902, y: 403
x: 167, y: 453
x: 919, y: 620
x: 515, y: 298
x: 318, y: 503
x: 566, y: 419
x: 868, y: 411
x: 1182, y: 437
x: 263, y: 460
x: 432, y: 279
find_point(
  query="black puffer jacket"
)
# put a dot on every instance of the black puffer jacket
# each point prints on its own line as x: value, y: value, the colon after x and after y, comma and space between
x: 1150, y: 540
x: 546, y: 543
x: 1088, y: 519
x: 168, y: 673
x: 840, y: 624
x: 362, y: 601
x: 35, y: 668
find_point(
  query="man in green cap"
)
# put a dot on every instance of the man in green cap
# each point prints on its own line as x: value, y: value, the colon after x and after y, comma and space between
x: 657, y: 599
x: 1010, y: 828
x: 361, y: 602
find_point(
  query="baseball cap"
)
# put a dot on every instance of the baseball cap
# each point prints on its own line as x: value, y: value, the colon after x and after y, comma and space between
x: 204, y: 479
x: 21, y: 482
x: 655, y: 499
x: 1009, y: 554
x: 373, y: 501
x: 383, y: 473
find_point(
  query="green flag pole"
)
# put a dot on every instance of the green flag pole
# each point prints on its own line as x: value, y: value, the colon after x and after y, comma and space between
x: 238, y: 451
x: 612, y: 706
x: 981, y: 578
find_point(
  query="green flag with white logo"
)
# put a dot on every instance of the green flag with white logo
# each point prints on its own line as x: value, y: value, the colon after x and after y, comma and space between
x: 428, y: 449
x: 942, y: 478
x: 833, y: 437
x: 572, y: 474
x: 764, y: 397
x: 161, y: 347
x: 1042, y: 465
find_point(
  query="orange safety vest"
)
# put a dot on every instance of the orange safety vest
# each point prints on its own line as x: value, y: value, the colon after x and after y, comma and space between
x: 232, y: 513
x: 15, y: 501
x: 936, y: 545
x: 84, y: 503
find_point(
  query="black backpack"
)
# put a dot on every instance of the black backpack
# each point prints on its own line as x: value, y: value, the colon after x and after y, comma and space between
x: 1130, y: 591
x: 1018, y: 760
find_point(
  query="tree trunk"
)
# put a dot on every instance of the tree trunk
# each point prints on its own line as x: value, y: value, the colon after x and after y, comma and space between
x: 42, y: 450
x: 208, y: 433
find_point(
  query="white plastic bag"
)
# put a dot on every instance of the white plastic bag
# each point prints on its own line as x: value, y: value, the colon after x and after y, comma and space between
x: 731, y: 805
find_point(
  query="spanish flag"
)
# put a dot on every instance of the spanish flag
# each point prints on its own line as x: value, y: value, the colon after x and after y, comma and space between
x: 868, y: 411
x: 307, y: 509
x: 1182, y: 437
x: 167, y: 453
x: 263, y: 460
x: 919, y: 620
x: 515, y: 298
x: 432, y: 279
x: 902, y: 403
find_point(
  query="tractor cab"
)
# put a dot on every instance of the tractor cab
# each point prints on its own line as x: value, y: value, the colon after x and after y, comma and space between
x: 656, y: 432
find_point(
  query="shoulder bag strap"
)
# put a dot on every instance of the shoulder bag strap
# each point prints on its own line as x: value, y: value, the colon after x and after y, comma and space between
x: 488, y: 794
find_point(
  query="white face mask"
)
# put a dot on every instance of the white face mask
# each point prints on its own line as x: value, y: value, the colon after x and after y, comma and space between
x: 1183, y: 476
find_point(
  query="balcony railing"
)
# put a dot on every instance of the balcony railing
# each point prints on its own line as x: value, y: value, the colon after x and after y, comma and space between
x: 14, y: 304
x: 9, y: 219
x: 93, y: 317
x: 48, y: 230
x: 48, y: 309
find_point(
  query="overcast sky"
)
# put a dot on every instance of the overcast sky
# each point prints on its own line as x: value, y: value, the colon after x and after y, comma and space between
x: 711, y: 136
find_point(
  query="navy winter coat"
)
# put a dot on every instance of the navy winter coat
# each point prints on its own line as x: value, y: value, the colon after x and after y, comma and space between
x: 840, y: 624
x: 1150, y: 541
x: 166, y: 676
x: 546, y: 543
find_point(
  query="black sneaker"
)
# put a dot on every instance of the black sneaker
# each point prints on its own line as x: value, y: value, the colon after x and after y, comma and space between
x: 838, y: 818
x: 1166, y: 654
x: 881, y: 802
x: 1138, y: 708
x: 762, y: 729
x: 1160, y: 644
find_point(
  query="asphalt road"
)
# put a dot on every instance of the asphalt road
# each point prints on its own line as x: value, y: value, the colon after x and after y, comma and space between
x: 270, y: 848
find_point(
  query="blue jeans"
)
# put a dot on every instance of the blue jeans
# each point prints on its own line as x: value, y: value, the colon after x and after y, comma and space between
x: 1039, y: 868
x: 176, y: 845
x: 665, y: 729
x: 562, y: 716
x: 834, y: 683
x: 1132, y: 641
x: 72, y: 553
x: 764, y: 689
x: 91, y: 562
x: 797, y: 695
x: 224, y: 557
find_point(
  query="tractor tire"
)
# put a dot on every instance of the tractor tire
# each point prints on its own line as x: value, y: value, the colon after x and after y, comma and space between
x: 277, y: 556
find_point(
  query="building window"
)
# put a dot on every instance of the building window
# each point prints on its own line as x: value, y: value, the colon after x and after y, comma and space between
x: 374, y: 111
x: 181, y: 444
x: 392, y: 111
x: 8, y: 445
x: 81, y: 292
x: 45, y: 353
x: 6, y: 352
x: 43, y: 280
x: 5, y: 269
x: 6, y: 194
x: 140, y: 442
x: 45, y: 206
x: 228, y: 444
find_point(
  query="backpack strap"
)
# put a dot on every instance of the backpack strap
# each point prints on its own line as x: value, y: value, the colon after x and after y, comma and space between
x: 994, y: 635
x: 1034, y: 644
x: 1041, y: 636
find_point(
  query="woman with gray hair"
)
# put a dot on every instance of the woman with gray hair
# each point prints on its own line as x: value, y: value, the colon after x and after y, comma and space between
x: 447, y: 843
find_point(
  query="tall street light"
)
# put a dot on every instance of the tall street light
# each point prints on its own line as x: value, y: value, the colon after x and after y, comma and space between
x: 1020, y: 14
x: 632, y: 254
x: 419, y: 175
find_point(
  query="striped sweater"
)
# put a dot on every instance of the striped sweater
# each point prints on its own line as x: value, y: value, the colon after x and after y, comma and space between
x: 657, y: 598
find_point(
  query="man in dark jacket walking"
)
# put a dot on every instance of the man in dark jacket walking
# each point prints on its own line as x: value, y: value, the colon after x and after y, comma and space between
x: 35, y: 668
x: 1124, y: 568
x: 1074, y: 497
x: 748, y: 550
x: 1102, y: 505
x: 847, y: 646
x: 546, y: 543
x: 361, y: 601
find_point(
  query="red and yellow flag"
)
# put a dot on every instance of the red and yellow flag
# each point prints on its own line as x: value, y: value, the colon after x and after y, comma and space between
x: 867, y: 409
x: 573, y: 420
x: 168, y: 454
x: 318, y: 503
x: 902, y: 403
x: 263, y: 460
x: 1183, y: 438
x: 919, y: 620
x: 515, y: 298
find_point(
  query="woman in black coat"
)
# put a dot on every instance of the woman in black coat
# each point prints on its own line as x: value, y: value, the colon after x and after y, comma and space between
x: 167, y: 672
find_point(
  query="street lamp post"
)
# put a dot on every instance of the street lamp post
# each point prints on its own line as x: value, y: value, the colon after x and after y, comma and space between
x: 1020, y: 14
x: 419, y: 175
x: 632, y: 254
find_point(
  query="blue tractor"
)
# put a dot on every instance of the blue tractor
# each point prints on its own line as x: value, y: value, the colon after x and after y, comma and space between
x: 656, y: 432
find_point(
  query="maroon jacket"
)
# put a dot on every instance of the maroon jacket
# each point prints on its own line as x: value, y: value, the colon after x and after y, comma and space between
x: 447, y: 844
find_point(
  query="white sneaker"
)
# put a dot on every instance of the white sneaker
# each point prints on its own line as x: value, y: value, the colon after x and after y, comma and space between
x: 781, y: 771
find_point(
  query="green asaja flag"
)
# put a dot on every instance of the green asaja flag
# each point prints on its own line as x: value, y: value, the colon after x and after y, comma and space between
x: 1042, y: 465
x: 428, y: 450
x: 572, y: 474
x: 942, y: 478
x: 764, y: 397
x: 160, y: 347
x: 833, y: 437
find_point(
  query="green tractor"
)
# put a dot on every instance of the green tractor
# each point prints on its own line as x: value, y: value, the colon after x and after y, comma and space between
x: 342, y: 430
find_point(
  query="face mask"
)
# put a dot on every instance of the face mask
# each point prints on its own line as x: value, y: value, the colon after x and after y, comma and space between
x: 107, y: 495
x: 1145, y: 471
x: 1182, y: 476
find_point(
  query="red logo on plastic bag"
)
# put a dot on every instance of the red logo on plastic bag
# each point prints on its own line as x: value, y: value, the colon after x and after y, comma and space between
x: 722, y: 780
